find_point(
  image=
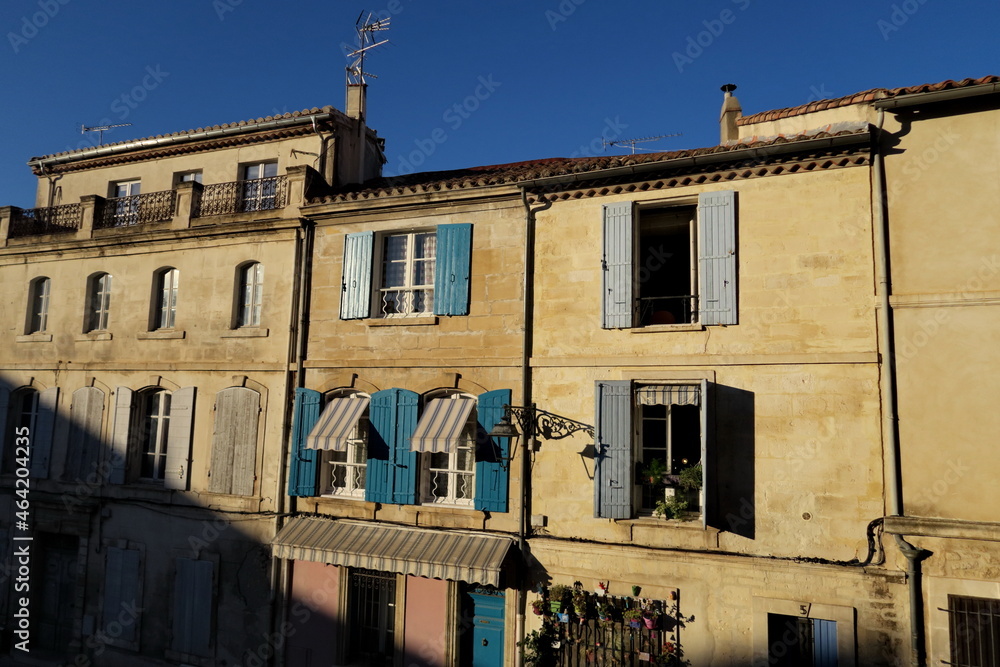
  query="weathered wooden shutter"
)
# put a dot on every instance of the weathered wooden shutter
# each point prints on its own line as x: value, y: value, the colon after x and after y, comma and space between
x: 178, y: 464
x: 404, y: 490
x: 617, y: 301
x: 120, y: 435
x: 452, y: 270
x: 491, y: 478
x: 41, y: 439
x: 87, y: 417
x: 381, y: 439
x: 717, y: 257
x: 613, y: 451
x: 121, y: 593
x: 6, y: 448
x: 234, y: 443
x: 355, y: 298
x: 193, y: 597
x: 303, y: 464
x: 707, y: 492
x: 825, y: 643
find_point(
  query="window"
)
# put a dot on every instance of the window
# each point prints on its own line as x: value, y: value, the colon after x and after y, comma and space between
x: 670, y: 264
x: 974, y: 631
x: 27, y: 408
x: 151, y: 436
x: 250, y: 292
x: 194, y: 607
x: 651, y: 440
x: 259, y: 186
x: 234, y: 442
x: 98, y: 302
x: 371, y: 599
x: 38, y: 305
x: 472, y: 471
x: 343, y: 468
x: 125, y: 203
x: 193, y: 176
x: 419, y: 273
x: 797, y: 641
x: 23, y: 414
x: 165, y: 299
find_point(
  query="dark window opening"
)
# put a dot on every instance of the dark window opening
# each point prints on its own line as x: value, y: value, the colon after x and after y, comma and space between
x: 666, y: 278
x: 372, y: 615
x: 670, y: 434
x: 796, y: 641
x: 974, y: 631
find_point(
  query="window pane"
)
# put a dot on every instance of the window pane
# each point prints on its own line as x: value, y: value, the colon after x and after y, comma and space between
x: 270, y: 169
x: 251, y: 172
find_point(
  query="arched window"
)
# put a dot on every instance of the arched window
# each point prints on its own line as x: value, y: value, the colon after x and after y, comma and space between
x: 343, y: 469
x: 249, y: 294
x: 23, y: 413
x: 150, y: 434
x: 165, y: 298
x: 449, y: 477
x: 38, y: 305
x: 98, y: 302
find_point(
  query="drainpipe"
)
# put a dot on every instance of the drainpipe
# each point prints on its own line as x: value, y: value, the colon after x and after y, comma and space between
x: 890, y: 435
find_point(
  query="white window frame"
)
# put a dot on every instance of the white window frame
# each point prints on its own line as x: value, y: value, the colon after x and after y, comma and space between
x: 165, y: 303
x: 255, y: 196
x: 451, y: 470
x: 250, y: 294
x: 406, y: 303
x: 126, y: 209
x: 638, y: 447
x: 98, y: 302
x: 151, y: 429
x: 38, y: 305
x: 192, y: 176
x: 352, y: 464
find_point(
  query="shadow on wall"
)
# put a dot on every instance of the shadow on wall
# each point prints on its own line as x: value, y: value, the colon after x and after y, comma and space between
x: 734, y: 509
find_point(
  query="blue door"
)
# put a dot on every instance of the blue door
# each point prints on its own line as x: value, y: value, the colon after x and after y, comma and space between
x: 487, y: 627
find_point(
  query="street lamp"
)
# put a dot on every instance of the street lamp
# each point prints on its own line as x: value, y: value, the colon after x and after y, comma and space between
x: 533, y: 423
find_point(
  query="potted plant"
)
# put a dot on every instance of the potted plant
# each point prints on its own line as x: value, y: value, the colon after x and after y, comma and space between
x: 538, y: 606
x: 691, y: 479
x: 557, y: 597
x: 636, y: 590
x: 633, y: 617
x: 653, y: 472
x: 671, y: 507
x: 603, y: 611
x: 580, y: 603
x: 539, y: 647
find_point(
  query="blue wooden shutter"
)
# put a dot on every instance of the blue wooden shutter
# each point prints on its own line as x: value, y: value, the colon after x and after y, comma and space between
x: 404, y: 491
x: 491, y: 478
x: 194, y: 592
x: 617, y: 300
x: 303, y: 467
x: 178, y: 463
x: 613, y: 451
x: 717, y: 257
x: 121, y: 593
x: 41, y: 439
x: 381, y: 438
x: 451, y: 277
x: 825, y: 643
x: 120, y: 435
x: 355, y: 298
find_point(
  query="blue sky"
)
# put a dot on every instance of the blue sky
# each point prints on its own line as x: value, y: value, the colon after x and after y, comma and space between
x: 461, y: 83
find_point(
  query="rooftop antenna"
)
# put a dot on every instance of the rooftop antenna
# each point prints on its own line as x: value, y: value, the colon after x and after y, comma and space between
x: 100, y: 130
x: 366, y: 42
x: 640, y: 140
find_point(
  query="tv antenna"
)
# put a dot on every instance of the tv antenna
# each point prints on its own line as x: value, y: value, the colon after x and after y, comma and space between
x: 366, y: 42
x: 640, y: 140
x: 100, y: 130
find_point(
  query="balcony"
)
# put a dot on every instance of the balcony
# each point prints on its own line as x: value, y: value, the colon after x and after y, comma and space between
x: 47, y: 220
x: 262, y: 194
x: 136, y: 210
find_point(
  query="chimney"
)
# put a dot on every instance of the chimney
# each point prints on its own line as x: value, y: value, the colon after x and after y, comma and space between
x: 357, y: 100
x: 731, y: 110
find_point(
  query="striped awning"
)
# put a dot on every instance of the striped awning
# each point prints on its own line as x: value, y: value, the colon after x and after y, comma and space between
x: 440, y: 427
x: 457, y: 556
x: 336, y: 424
x: 668, y: 394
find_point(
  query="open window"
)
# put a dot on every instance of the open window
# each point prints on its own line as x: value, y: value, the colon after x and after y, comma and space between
x: 151, y: 436
x: 37, y: 320
x: 163, y: 313
x: 249, y: 295
x: 98, y: 305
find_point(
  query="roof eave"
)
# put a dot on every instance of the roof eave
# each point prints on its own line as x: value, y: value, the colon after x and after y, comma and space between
x: 917, y: 99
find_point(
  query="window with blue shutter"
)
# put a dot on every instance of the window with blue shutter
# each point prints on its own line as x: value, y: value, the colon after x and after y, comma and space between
x: 613, y: 451
x: 355, y: 300
x: 122, y: 603
x: 492, y: 479
x: 303, y: 464
x: 717, y: 257
x: 194, y: 599
x: 392, y: 467
x: 617, y: 303
x: 451, y: 278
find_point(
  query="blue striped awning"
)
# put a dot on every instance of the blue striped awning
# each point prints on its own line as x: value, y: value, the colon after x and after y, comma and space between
x: 440, y: 427
x: 336, y: 424
x: 668, y: 394
x: 454, y: 555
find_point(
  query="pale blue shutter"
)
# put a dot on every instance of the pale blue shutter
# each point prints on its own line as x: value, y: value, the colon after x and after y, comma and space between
x: 302, y: 469
x: 234, y: 443
x: 41, y: 439
x: 404, y: 490
x: 193, y: 597
x: 355, y: 298
x: 491, y: 477
x: 381, y: 440
x: 824, y: 643
x: 178, y: 463
x: 87, y: 413
x: 120, y: 435
x: 452, y: 271
x: 613, y: 451
x: 6, y: 448
x: 717, y: 257
x: 617, y: 299
x: 121, y: 593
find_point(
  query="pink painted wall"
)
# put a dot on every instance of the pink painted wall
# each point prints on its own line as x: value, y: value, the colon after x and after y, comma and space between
x: 312, y: 625
x: 426, y: 634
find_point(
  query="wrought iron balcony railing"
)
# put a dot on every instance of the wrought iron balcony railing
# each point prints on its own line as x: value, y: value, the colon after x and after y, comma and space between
x: 47, y: 220
x: 262, y: 194
x: 136, y: 210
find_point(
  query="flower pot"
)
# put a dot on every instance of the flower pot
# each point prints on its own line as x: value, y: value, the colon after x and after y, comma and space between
x: 634, y: 623
x: 636, y: 590
x: 538, y: 610
x: 555, y: 606
x: 650, y: 622
x: 563, y: 617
